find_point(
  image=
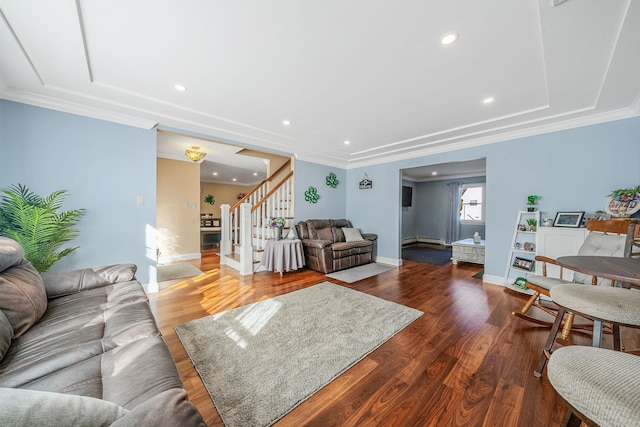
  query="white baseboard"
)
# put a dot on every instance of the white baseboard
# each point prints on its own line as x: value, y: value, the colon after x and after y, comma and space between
x: 389, y: 261
x: 433, y: 240
x: 495, y: 280
x: 182, y: 257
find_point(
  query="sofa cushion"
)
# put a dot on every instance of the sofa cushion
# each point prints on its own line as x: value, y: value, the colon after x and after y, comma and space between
x: 6, y: 333
x: 344, y: 249
x: 351, y: 234
x: 11, y: 253
x: 24, y: 299
x: 41, y: 408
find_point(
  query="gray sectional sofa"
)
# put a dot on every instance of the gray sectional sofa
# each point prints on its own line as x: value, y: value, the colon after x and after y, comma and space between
x: 83, y: 348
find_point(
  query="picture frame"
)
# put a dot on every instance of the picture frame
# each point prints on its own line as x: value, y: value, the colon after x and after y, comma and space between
x: 523, y: 263
x: 568, y: 219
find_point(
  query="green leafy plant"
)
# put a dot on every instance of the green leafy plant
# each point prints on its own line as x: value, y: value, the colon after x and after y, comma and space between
x: 210, y: 199
x: 531, y: 200
x: 626, y: 193
x: 532, y: 222
x: 36, y: 223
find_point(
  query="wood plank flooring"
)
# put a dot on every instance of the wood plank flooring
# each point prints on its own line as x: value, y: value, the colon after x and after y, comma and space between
x: 466, y: 362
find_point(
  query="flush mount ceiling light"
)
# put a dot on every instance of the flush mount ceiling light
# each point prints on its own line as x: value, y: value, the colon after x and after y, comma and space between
x: 449, y: 38
x: 194, y: 154
x: 347, y: 142
x: 180, y: 88
x: 434, y: 173
x: 286, y: 122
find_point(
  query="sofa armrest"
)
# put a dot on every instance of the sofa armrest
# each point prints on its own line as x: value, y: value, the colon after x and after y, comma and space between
x: 70, y: 282
x: 317, y: 243
x: 169, y: 408
x: 370, y: 236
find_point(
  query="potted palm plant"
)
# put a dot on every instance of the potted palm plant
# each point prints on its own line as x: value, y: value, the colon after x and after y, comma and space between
x: 36, y: 223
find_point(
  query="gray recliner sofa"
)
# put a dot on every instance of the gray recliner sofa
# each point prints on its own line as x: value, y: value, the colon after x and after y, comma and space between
x: 334, y: 244
x: 83, y: 348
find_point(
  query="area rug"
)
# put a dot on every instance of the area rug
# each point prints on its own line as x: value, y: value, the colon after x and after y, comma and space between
x: 260, y: 361
x: 176, y: 271
x: 428, y: 255
x: 360, y: 272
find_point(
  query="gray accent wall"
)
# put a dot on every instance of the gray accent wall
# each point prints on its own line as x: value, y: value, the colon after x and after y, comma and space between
x: 430, y: 200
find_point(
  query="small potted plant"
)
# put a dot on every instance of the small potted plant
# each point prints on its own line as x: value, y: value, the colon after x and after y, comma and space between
x: 532, y: 224
x: 531, y: 201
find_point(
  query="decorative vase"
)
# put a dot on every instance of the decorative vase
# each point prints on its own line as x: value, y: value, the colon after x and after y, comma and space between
x: 277, y: 233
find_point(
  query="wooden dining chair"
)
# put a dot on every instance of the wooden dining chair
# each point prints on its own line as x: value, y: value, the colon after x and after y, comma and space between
x: 605, y: 238
x: 633, y: 238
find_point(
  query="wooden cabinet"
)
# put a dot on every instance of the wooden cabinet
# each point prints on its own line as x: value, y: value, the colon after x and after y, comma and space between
x: 554, y: 242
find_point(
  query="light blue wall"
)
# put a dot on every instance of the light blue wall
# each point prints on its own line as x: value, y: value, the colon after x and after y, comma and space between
x: 331, y: 203
x: 433, y: 201
x: 570, y: 170
x: 410, y: 213
x: 103, y: 165
x: 106, y: 166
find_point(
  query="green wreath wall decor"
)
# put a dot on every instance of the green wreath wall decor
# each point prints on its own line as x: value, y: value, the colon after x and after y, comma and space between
x: 332, y: 180
x: 311, y: 195
x: 210, y: 199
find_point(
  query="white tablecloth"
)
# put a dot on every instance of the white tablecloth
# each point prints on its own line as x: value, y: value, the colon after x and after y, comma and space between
x: 283, y: 255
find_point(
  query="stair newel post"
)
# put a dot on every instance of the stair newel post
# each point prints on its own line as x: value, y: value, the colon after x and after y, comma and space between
x: 246, y: 249
x: 225, y: 233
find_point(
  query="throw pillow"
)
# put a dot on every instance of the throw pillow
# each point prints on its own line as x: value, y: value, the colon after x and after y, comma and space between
x: 24, y: 299
x: 352, y: 235
x: 6, y: 333
x: 11, y: 253
x: 20, y: 407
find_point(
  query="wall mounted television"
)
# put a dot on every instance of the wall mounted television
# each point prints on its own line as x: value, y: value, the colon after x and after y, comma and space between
x: 407, y: 195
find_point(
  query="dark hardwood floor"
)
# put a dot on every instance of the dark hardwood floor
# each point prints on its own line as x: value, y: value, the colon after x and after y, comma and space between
x: 466, y: 362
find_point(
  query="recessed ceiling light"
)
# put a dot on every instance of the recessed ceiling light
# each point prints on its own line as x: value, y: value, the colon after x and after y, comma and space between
x: 215, y: 174
x: 434, y: 173
x: 347, y: 142
x: 286, y: 122
x: 234, y: 179
x: 180, y: 88
x: 488, y: 100
x: 449, y: 38
x: 255, y: 174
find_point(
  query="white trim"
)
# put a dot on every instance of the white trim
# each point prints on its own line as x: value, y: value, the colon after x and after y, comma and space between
x: 389, y: 261
x: 182, y: 257
x: 493, y: 279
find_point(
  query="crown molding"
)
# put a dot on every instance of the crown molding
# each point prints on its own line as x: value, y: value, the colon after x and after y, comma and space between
x: 75, y: 108
x: 589, y: 120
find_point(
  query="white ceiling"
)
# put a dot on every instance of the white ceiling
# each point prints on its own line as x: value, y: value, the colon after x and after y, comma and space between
x: 223, y: 160
x: 369, y: 71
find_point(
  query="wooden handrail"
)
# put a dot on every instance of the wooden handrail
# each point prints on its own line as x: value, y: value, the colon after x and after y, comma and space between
x: 273, y: 190
x: 257, y: 187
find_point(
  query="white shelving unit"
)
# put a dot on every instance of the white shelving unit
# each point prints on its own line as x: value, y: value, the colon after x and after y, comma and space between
x: 523, y: 250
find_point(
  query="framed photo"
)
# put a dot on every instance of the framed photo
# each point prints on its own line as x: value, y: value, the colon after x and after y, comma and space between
x: 568, y: 219
x: 523, y: 263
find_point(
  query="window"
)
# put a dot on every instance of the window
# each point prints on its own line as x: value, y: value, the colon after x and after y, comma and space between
x: 472, y: 204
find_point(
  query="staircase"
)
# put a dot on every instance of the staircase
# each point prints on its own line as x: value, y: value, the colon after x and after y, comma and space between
x: 244, y: 226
